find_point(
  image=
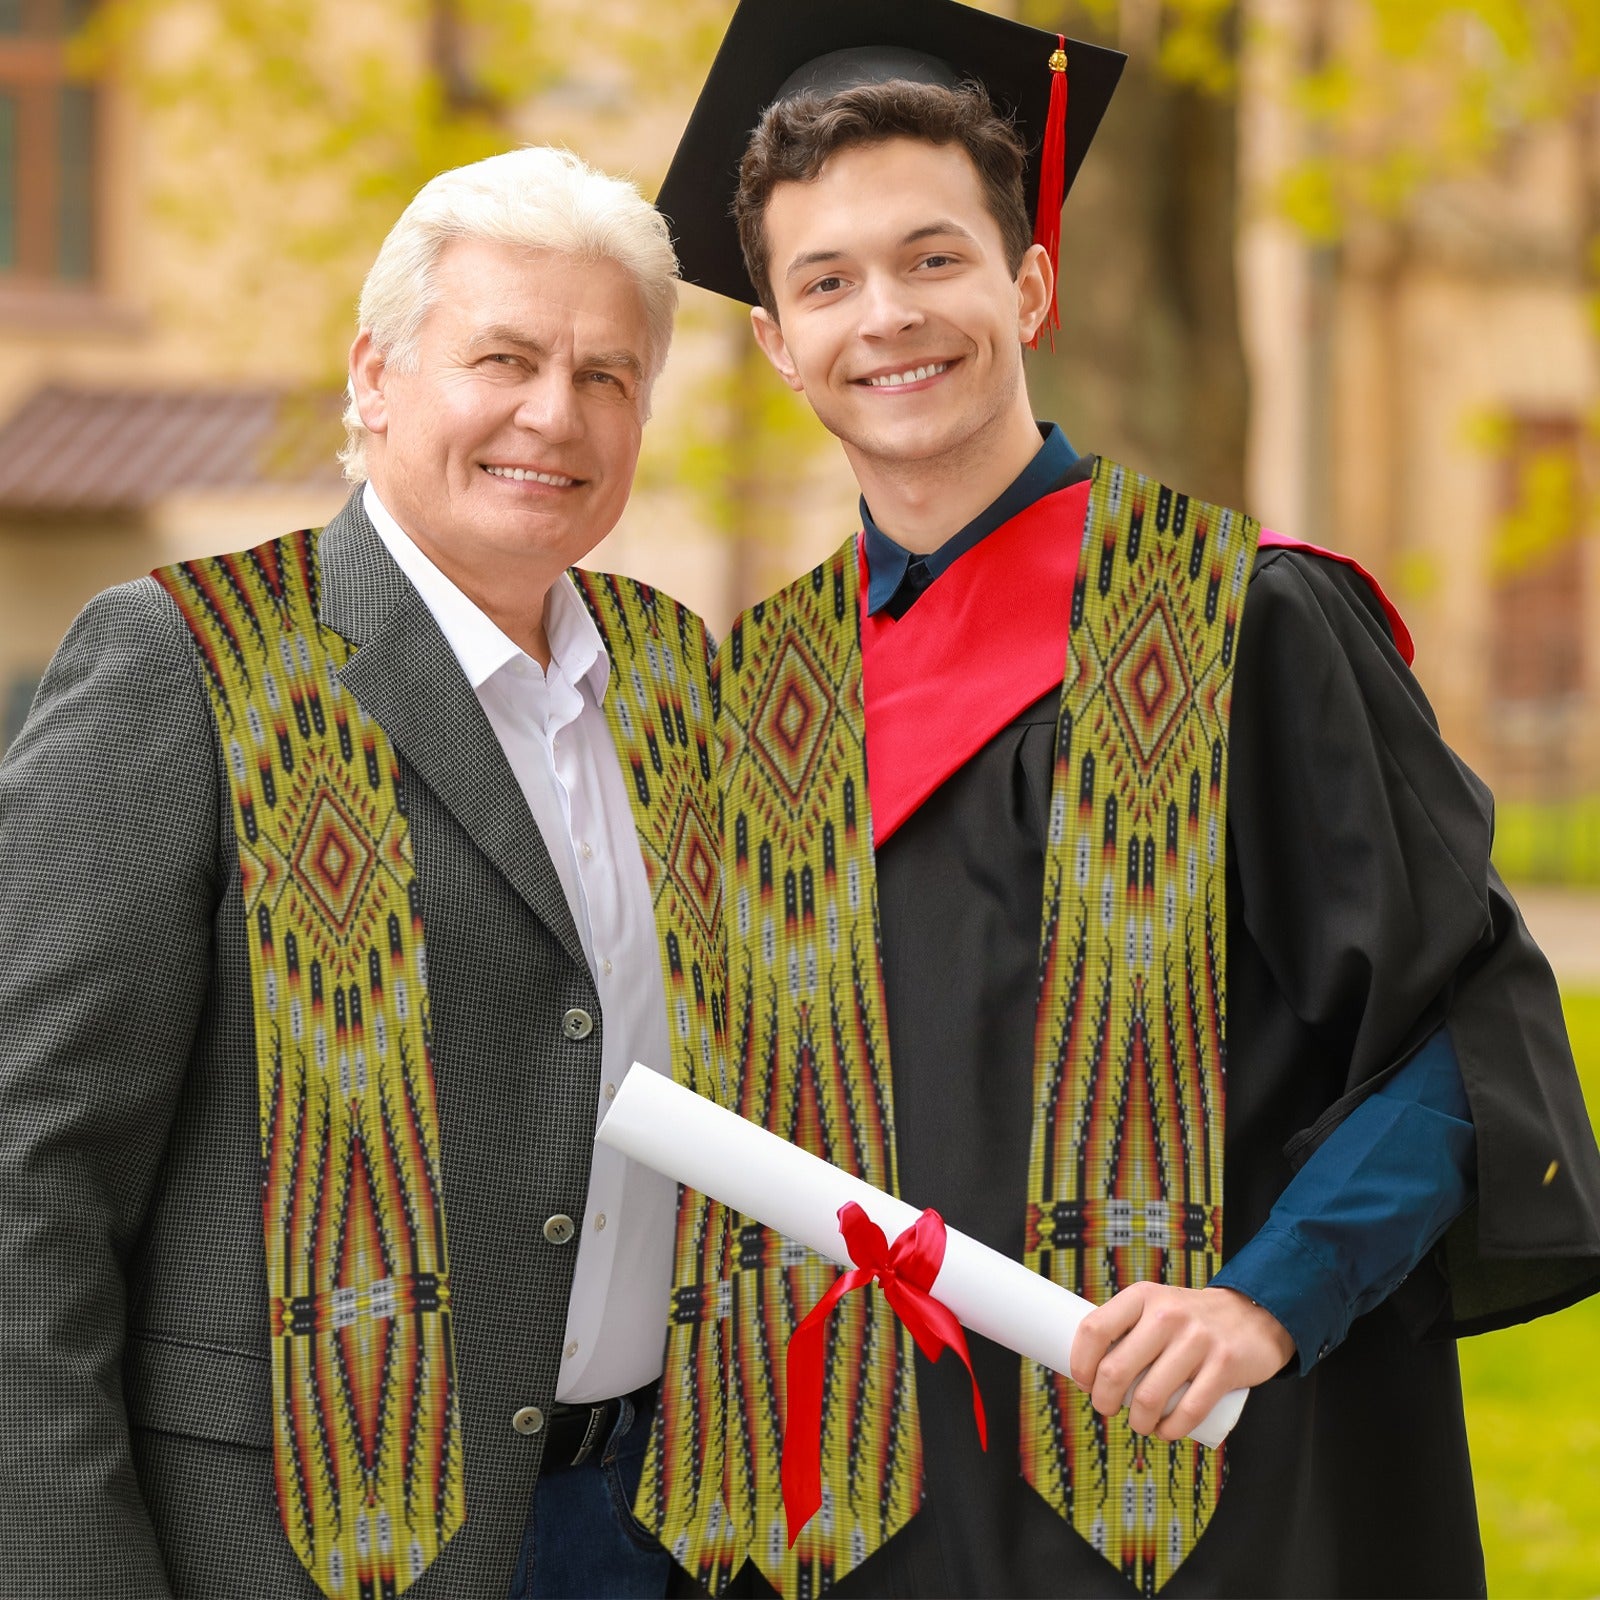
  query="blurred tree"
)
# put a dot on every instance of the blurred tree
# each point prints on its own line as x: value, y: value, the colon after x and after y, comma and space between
x: 301, y: 128
x: 1402, y: 95
x: 1149, y: 367
x: 1395, y: 100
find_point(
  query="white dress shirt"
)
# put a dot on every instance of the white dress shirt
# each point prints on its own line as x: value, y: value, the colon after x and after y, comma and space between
x: 554, y: 734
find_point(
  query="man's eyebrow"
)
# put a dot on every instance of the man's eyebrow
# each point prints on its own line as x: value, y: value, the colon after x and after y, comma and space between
x: 625, y: 360
x: 504, y: 334
x: 811, y: 258
x: 940, y: 228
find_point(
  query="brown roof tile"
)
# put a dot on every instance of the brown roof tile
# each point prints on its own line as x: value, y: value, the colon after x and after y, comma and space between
x: 66, y: 450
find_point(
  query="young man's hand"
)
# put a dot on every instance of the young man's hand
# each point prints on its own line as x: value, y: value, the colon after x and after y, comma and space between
x: 1212, y: 1339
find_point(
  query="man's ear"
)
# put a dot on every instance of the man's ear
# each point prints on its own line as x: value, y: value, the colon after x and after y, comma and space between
x: 774, y: 347
x: 367, y: 372
x: 1036, y: 282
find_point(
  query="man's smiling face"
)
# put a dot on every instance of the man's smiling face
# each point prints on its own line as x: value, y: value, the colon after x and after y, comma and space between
x: 898, y: 316
x: 512, y: 440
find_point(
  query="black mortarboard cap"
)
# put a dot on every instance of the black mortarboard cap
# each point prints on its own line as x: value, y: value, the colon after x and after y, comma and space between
x: 777, y: 48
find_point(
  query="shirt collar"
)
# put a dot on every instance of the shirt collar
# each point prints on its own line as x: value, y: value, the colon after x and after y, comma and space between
x: 476, y: 640
x: 888, y: 562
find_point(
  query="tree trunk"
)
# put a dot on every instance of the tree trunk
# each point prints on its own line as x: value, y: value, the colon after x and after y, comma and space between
x: 1148, y: 366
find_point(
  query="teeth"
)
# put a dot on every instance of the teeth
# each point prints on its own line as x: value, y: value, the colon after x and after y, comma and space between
x: 518, y: 475
x: 913, y: 375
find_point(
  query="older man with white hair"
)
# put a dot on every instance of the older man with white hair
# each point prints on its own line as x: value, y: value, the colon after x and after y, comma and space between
x: 340, y: 880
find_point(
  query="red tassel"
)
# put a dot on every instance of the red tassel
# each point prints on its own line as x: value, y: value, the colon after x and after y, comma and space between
x: 1052, y: 182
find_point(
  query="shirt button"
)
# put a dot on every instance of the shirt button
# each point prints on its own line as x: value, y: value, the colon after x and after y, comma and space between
x: 571, y: 1350
x: 607, y: 968
x: 600, y: 1223
x: 530, y: 1419
x: 588, y: 850
x: 577, y: 1023
x: 611, y: 1091
x: 559, y: 1229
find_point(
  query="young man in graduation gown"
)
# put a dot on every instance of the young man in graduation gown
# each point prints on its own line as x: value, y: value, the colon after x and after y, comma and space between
x: 1050, y: 794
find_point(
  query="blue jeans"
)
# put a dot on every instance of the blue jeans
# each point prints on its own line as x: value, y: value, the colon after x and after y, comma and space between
x: 582, y: 1541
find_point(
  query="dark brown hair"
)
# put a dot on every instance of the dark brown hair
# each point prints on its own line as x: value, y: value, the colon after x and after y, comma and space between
x: 796, y: 137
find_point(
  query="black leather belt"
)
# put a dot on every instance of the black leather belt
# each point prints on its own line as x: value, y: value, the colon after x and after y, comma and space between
x: 575, y: 1433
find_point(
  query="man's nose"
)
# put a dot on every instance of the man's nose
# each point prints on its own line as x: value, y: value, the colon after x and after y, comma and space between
x: 888, y: 307
x: 549, y: 406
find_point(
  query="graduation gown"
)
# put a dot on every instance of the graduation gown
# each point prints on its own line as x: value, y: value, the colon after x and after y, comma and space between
x: 1362, y: 913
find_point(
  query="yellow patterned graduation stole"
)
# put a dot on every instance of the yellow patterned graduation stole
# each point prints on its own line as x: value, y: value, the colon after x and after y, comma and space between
x: 1125, y: 1167
x: 811, y: 1061
x: 661, y: 709
x: 1125, y: 1178
x: 367, y: 1444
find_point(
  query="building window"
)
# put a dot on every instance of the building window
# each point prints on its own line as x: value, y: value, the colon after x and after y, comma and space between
x: 1537, y: 565
x: 1539, y: 630
x: 47, y: 147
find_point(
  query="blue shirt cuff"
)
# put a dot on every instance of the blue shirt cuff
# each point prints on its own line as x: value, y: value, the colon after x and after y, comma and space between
x: 1283, y: 1275
x: 1366, y: 1207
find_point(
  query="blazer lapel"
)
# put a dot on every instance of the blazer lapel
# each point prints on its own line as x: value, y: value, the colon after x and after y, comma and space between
x: 406, y: 678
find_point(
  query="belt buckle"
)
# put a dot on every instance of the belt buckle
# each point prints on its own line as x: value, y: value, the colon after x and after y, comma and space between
x: 591, y: 1434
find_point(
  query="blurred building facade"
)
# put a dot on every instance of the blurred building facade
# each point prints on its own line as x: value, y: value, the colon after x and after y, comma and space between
x: 163, y: 398
x: 1423, y: 394
x: 121, y: 445
x: 1426, y: 396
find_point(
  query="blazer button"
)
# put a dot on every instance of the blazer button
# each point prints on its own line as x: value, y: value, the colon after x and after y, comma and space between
x: 559, y: 1229
x: 530, y: 1419
x: 577, y: 1024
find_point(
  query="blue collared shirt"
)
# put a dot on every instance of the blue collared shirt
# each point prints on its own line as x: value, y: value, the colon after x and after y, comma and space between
x: 897, y: 575
x: 1379, y: 1192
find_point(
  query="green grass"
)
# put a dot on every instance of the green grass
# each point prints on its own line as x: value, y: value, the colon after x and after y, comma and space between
x: 1548, y: 841
x: 1533, y: 1414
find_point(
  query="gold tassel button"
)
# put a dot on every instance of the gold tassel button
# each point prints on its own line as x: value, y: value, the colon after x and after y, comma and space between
x: 1058, y: 61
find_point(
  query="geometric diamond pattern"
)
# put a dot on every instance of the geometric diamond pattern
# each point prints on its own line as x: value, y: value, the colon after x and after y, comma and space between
x: 1148, y: 684
x: 333, y: 862
x: 790, y: 725
x: 696, y: 864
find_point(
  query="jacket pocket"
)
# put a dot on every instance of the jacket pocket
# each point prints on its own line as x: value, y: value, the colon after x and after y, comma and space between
x: 174, y: 1386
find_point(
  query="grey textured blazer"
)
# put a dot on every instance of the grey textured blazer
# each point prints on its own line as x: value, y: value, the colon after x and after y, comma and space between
x: 135, y: 1454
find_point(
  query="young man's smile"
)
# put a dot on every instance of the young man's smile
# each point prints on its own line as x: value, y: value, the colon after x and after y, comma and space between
x: 906, y: 379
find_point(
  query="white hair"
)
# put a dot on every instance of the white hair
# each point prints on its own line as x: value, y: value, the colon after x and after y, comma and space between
x: 536, y: 197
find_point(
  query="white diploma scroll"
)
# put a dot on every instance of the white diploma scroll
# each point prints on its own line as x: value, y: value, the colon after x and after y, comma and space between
x: 674, y: 1131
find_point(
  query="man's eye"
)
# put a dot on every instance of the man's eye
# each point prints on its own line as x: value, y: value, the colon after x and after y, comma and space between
x: 826, y: 285
x: 938, y: 261
x: 605, y: 377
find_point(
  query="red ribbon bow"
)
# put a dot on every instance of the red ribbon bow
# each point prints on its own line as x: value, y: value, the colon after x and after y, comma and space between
x: 906, y: 1269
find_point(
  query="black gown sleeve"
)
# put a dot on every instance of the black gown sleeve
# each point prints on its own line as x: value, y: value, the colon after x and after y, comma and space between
x: 1364, y: 913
